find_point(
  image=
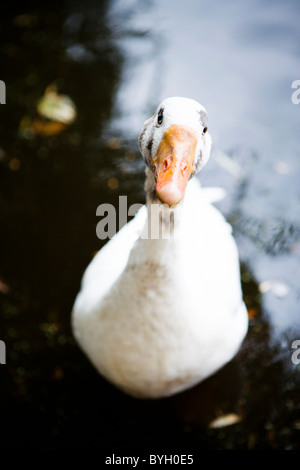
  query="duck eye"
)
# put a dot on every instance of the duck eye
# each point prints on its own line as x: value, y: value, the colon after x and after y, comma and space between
x: 204, y: 130
x: 160, y: 116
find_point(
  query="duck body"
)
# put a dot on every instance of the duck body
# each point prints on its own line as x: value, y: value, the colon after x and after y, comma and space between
x: 157, y: 314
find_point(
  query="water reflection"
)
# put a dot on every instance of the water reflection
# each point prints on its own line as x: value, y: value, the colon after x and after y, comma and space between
x: 240, y: 62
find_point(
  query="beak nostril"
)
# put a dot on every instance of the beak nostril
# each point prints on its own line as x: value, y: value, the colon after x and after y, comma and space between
x: 173, y: 163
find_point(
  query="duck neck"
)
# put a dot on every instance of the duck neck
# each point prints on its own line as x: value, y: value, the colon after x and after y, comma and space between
x: 163, y: 222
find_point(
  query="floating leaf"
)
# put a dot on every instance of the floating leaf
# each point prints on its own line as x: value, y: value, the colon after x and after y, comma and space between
x: 47, y: 128
x: 225, y: 420
x: 252, y: 312
x: 278, y: 288
x: 56, y: 107
x: 113, y: 183
x: 56, y: 113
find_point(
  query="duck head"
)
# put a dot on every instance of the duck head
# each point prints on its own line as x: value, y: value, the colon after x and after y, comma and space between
x: 175, y: 145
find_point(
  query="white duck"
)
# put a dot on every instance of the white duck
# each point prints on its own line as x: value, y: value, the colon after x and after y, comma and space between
x: 158, y: 313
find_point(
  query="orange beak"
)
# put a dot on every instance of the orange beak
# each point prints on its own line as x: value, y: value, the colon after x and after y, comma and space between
x: 173, y: 163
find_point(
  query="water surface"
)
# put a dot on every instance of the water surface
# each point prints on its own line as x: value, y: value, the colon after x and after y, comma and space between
x: 116, y: 61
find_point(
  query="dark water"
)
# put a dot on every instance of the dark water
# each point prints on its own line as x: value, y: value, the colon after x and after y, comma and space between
x: 50, y: 187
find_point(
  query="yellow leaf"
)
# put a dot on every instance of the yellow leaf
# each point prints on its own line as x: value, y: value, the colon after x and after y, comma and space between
x: 56, y: 107
x: 225, y: 420
x: 47, y: 128
x: 113, y: 183
x: 252, y: 312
